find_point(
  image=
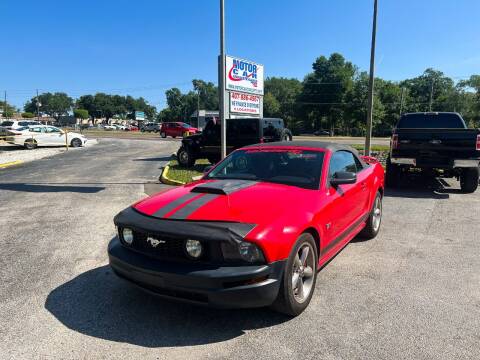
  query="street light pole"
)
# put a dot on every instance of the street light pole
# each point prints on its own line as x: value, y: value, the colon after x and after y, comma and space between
x: 371, y: 83
x: 221, y: 82
x: 38, y: 112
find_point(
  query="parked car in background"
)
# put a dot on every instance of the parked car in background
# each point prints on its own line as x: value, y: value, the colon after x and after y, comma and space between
x: 255, y: 230
x: 175, y: 129
x: 109, y: 127
x: 437, y: 143
x: 150, y: 127
x: 240, y: 132
x: 131, y: 128
x: 321, y: 133
x: 15, y: 124
x: 119, y: 127
x: 44, y: 135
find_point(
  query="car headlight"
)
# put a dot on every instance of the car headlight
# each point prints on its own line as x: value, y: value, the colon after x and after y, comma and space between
x: 245, y: 251
x: 193, y: 248
x: 127, y: 235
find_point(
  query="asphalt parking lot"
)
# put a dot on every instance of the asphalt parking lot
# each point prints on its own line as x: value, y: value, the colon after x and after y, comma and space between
x: 411, y: 293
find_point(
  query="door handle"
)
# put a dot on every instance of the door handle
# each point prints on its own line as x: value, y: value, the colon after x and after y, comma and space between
x: 364, y: 185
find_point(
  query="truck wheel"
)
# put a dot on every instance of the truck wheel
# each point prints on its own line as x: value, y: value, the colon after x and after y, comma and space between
x: 299, y: 278
x: 393, y: 174
x: 286, y: 136
x: 469, y: 180
x: 163, y: 134
x: 374, y: 219
x: 185, y: 157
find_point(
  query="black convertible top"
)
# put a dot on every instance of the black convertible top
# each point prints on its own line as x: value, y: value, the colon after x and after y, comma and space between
x: 305, y: 143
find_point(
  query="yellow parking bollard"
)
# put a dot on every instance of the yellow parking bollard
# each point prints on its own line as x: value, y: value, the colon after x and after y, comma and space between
x: 66, y: 139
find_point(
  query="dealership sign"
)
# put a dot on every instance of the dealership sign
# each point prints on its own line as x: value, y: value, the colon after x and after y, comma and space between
x: 139, y: 115
x: 241, y: 103
x: 244, y: 76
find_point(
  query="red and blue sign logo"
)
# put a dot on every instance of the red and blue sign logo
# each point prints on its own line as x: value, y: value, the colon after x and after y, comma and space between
x: 243, y: 71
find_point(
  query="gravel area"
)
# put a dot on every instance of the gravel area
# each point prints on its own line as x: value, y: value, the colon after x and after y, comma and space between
x: 10, y: 152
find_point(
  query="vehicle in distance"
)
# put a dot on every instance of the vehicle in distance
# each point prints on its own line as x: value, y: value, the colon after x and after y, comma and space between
x: 321, y: 133
x: 240, y: 132
x: 175, y: 129
x: 438, y: 143
x: 255, y: 230
x: 150, y: 127
x: 44, y: 135
x: 15, y: 124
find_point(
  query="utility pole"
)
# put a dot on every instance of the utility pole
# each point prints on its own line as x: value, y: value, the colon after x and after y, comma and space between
x: 38, y: 104
x: 5, y: 105
x: 371, y: 83
x: 431, y: 96
x: 402, y: 99
x: 221, y: 82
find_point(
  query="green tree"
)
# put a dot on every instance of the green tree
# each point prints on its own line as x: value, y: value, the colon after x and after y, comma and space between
x: 284, y: 92
x: 54, y: 105
x: 10, y: 110
x: 28, y: 115
x: 325, y: 90
x: 80, y: 114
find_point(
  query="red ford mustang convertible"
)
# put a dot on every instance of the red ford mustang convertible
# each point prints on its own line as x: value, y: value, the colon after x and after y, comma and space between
x: 255, y: 230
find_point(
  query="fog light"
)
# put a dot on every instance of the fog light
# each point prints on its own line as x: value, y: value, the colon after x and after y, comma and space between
x: 127, y: 235
x: 193, y: 248
x: 250, y: 252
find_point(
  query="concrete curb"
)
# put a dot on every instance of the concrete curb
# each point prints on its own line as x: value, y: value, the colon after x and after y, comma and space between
x: 164, y: 178
x: 10, y: 163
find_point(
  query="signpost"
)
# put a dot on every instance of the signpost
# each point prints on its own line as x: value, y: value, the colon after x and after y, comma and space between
x: 243, y: 75
x: 139, y: 115
x: 240, y: 84
x: 241, y: 103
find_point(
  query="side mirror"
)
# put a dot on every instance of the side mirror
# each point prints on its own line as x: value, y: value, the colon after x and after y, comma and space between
x: 207, y: 169
x: 343, y: 177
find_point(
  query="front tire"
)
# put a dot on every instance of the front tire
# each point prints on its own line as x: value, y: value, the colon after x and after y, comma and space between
x: 185, y: 157
x: 469, y: 180
x: 30, y: 144
x: 163, y: 134
x: 76, y: 143
x: 299, y: 278
x: 374, y: 220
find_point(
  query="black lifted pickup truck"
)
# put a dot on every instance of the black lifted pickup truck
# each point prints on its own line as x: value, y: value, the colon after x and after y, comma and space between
x: 240, y: 132
x: 437, y: 143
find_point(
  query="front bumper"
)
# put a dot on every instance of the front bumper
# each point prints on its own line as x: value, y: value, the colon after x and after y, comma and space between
x: 211, y: 285
x: 456, y: 163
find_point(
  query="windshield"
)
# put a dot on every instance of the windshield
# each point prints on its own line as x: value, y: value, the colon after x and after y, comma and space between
x: 431, y: 121
x: 185, y: 125
x: 302, y: 168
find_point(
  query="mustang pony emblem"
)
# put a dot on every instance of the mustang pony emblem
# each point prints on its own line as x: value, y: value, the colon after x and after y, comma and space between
x: 155, y: 242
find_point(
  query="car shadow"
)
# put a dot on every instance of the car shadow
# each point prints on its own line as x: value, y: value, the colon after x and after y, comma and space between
x: 43, y: 188
x: 422, y: 187
x: 97, y: 303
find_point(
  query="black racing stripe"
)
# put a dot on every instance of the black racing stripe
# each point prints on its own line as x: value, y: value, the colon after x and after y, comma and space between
x: 343, y: 235
x: 224, y: 187
x: 174, y: 204
x: 193, y: 206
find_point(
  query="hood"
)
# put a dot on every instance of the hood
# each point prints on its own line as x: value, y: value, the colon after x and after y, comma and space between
x: 226, y: 200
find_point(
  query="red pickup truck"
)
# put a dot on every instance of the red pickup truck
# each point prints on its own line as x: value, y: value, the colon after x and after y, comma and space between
x: 175, y: 129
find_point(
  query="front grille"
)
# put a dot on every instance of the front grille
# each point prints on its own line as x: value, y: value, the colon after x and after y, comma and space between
x: 165, y: 248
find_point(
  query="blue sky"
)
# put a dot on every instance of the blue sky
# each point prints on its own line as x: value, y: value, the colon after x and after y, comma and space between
x: 143, y: 47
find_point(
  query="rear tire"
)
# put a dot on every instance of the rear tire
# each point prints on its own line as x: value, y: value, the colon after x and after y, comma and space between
x: 30, y: 144
x: 163, y: 134
x: 76, y: 143
x: 469, y: 180
x: 185, y: 157
x: 298, y: 281
x: 374, y: 221
x: 393, y: 173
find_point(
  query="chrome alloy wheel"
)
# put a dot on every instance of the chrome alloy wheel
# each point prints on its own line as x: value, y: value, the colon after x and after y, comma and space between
x: 377, y: 213
x: 303, y: 272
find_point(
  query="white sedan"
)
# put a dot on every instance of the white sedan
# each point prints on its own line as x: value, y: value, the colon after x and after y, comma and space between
x: 44, y: 135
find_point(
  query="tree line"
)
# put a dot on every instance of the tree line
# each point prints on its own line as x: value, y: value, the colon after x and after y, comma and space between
x: 333, y: 97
